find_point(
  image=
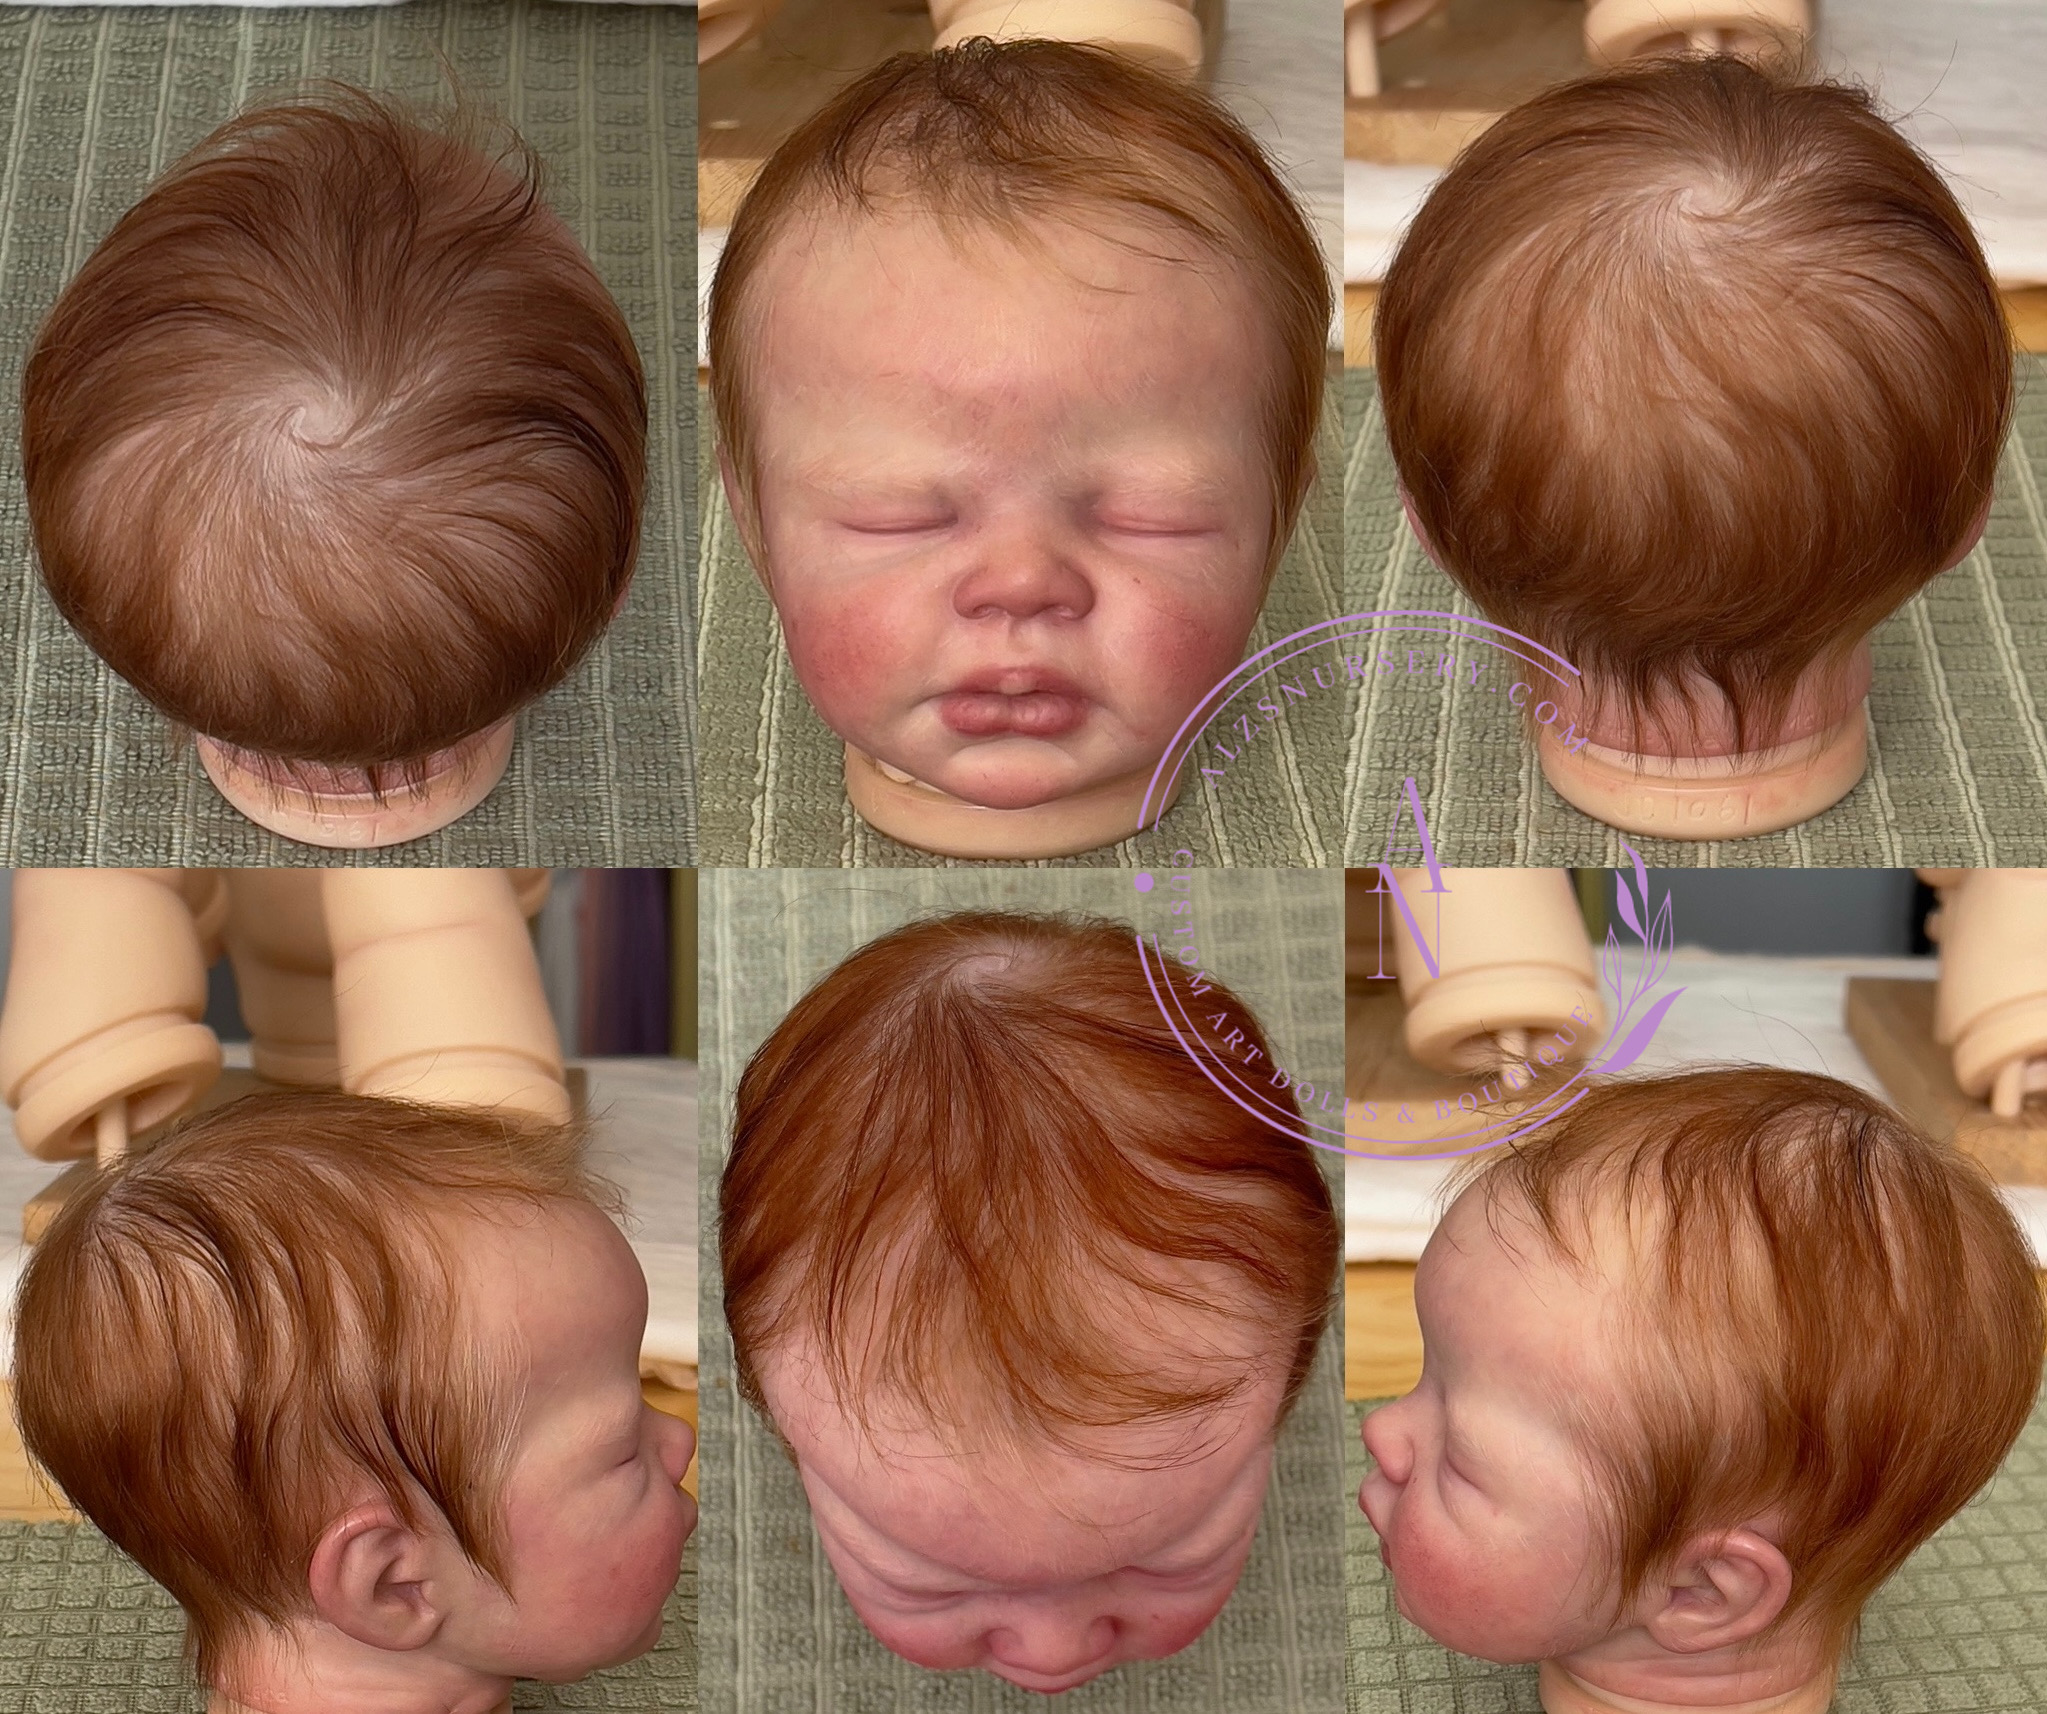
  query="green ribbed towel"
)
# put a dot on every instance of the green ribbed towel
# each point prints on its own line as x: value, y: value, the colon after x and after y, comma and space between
x: 776, y: 1633
x: 84, y: 1631
x: 93, y: 103
x: 773, y: 780
x: 1961, y: 1628
x: 1958, y: 753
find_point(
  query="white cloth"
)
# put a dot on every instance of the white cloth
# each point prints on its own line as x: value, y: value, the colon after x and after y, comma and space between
x: 1963, y: 78
x: 1769, y: 1011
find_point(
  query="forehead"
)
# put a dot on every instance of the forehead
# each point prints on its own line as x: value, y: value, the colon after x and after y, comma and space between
x: 907, y: 302
x: 1499, y: 1308
x: 556, y: 1282
x: 914, y: 1504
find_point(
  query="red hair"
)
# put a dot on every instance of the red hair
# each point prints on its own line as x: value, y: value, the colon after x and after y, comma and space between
x: 962, y: 1144
x: 1829, y: 1317
x: 1017, y: 134
x: 215, y: 1338
x: 1694, y: 373
x: 335, y: 447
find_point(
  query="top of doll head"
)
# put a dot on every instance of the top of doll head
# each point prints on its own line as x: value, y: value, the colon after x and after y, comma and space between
x: 1694, y: 371
x: 1021, y: 138
x: 973, y: 1170
x: 223, y: 1340
x: 1817, y: 1316
x: 335, y: 446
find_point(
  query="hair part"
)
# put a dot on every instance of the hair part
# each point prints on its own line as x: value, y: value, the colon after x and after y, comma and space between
x: 1694, y: 372
x: 217, y: 1341
x: 969, y: 1150
x: 1827, y: 1317
x: 1012, y: 136
x: 335, y: 447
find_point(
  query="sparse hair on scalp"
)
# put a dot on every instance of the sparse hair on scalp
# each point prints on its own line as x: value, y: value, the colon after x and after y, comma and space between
x: 974, y: 1145
x: 1826, y: 1316
x: 1693, y: 372
x: 1020, y: 135
x: 335, y: 447
x: 220, y: 1339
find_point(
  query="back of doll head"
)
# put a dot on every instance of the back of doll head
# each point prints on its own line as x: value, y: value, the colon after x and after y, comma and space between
x: 970, y: 1158
x: 1022, y: 135
x: 1825, y: 1314
x: 1693, y: 373
x: 217, y: 1341
x: 335, y: 446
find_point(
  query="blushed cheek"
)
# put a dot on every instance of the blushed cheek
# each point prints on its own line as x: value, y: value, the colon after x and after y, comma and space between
x: 1155, y: 1636
x: 941, y: 1645
x: 1466, y: 1599
x: 848, y: 656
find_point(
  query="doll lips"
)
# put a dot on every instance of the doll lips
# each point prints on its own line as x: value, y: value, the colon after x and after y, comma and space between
x: 1013, y: 704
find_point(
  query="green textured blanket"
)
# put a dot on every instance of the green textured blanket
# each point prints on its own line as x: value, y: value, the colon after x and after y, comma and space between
x: 776, y: 1633
x: 1958, y: 754
x: 93, y: 103
x: 1961, y: 1628
x: 772, y: 785
x: 83, y: 1631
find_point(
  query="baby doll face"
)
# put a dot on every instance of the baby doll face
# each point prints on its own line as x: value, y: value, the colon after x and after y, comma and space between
x: 1013, y: 498
x: 1483, y: 1496
x: 594, y: 1519
x: 1043, y: 1566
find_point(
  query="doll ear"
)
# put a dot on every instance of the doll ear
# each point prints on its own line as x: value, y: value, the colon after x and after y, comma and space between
x: 1724, y: 1590
x: 369, y: 1580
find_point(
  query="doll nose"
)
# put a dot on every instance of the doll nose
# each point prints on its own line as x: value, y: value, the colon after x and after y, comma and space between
x: 1391, y: 1449
x: 1024, y: 581
x: 678, y: 1444
x: 1052, y: 1644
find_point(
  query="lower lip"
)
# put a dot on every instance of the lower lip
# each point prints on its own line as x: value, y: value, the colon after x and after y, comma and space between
x: 990, y: 714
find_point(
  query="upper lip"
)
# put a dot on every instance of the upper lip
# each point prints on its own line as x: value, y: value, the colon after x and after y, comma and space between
x: 1015, y: 681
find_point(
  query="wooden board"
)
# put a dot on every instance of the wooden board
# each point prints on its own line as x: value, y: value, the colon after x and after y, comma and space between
x: 1444, y: 80
x: 1382, y: 1340
x: 1892, y: 1022
x: 750, y: 99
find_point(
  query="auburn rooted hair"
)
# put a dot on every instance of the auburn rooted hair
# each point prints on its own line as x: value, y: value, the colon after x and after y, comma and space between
x: 1827, y: 1317
x: 217, y: 1341
x: 335, y: 447
x: 973, y: 1145
x: 1693, y: 372
x: 1018, y: 135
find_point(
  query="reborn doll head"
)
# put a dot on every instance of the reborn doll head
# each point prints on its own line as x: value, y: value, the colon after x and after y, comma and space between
x: 358, y: 1383
x: 1024, y: 1294
x: 1017, y: 351
x: 1705, y: 1360
x: 334, y: 450
x: 1694, y: 374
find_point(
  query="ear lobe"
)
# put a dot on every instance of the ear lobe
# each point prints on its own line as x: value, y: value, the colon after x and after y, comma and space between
x: 1726, y: 1590
x: 742, y: 515
x: 368, y: 1579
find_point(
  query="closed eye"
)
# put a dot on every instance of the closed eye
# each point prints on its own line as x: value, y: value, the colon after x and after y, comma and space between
x: 907, y: 526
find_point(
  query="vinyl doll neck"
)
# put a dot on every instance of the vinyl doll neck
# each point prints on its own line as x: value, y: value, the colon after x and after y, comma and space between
x: 920, y: 815
x: 1676, y: 773
x: 293, y: 803
x: 1564, y: 1693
